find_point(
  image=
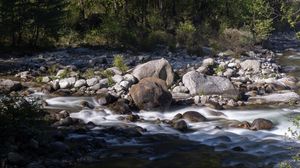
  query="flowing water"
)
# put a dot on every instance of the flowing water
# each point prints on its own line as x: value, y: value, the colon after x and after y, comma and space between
x: 271, y: 147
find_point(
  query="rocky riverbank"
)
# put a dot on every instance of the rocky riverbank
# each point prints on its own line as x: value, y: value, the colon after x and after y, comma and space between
x: 219, y: 81
x: 159, y: 82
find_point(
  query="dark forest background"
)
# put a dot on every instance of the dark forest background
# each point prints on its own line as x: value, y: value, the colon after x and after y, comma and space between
x: 143, y: 24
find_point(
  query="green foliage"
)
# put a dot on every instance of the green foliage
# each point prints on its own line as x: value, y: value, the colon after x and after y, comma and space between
x: 66, y: 73
x: 156, y: 38
x: 119, y: 63
x: 18, y: 117
x: 137, y: 24
x: 89, y: 73
x: 219, y: 69
x: 236, y: 40
x: 52, y: 69
x: 185, y: 32
x: 298, y: 35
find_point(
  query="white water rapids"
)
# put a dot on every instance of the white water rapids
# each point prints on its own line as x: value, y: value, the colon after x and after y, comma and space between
x: 272, y: 145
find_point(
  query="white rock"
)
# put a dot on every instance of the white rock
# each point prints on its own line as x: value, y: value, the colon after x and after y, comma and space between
x: 117, y: 78
x: 67, y: 83
x: 92, y: 81
x: 180, y: 89
x: 125, y: 84
x: 208, y: 62
x: 55, y: 84
x: 80, y: 83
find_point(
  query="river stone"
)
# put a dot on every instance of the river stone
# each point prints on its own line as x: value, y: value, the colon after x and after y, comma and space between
x: 251, y: 65
x: 180, y: 125
x: 198, y: 83
x: 193, y: 116
x: 151, y: 93
x: 261, y: 124
x: 92, y: 81
x: 157, y: 68
x: 120, y: 107
x: 67, y: 83
x: 208, y: 62
x: 46, y: 79
x: 7, y: 85
x: 55, y: 84
x: 117, y: 78
x: 180, y: 89
x: 281, y: 97
x: 80, y: 83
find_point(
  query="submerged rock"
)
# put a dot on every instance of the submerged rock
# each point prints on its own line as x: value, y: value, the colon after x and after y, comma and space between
x: 157, y: 68
x: 199, y: 84
x: 151, y: 93
x: 180, y: 125
x: 193, y: 116
x: 261, y: 124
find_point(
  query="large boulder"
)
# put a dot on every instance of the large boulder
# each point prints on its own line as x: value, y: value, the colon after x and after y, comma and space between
x: 151, y: 94
x: 157, y: 68
x: 197, y: 83
x: 193, y: 116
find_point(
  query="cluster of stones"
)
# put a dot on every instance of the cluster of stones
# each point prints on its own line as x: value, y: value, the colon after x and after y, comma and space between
x: 219, y: 81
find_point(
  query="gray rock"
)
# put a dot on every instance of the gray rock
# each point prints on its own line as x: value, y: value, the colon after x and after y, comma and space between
x: 193, y: 116
x: 115, y: 70
x: 103, y: 83
x: 96, y: 87
x: 202, y: 69
x: 117, y: 78
x: 180, y: 89
x: 79, y: 83
x: 55, y: 84
x: 67, y: 83
x: 199, y: 84
x: 228, y: 73
x: 130, y: 78
x: 125, y: 84
x: 251, y: 65
x: 208, y: 62
x: 156, y: 68
x: 92, y: 81
x: 281, y: 97
x: 7, y: 85
x: 180, y: 125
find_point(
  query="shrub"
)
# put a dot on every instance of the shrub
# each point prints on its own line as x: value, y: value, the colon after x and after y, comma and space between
x: 119, y: 62
x: 19, y: 117
x: 52, y: 69
x: 89, y: 73
x: 184, y: 33
x: 156, y: 38
x: 236, y: 40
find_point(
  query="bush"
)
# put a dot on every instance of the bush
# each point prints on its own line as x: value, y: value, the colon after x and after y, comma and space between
x: 119, y: 62
x: 19, y: 117
x: 184, y: 33
x: 156, y: 38
x: 236, y: 40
